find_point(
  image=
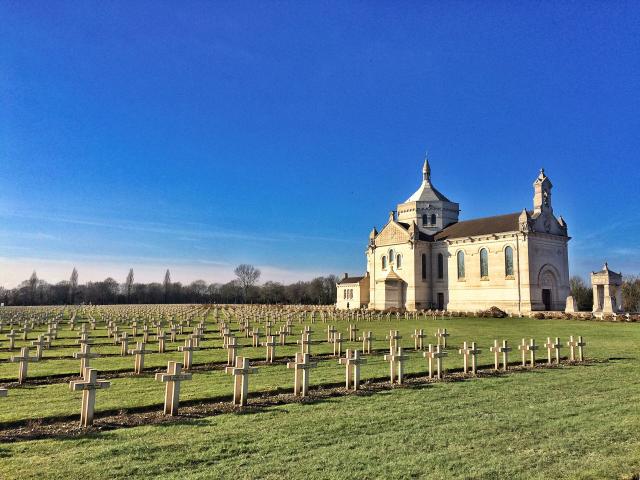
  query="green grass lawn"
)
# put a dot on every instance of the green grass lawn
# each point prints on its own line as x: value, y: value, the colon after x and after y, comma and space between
x: 572, y: 422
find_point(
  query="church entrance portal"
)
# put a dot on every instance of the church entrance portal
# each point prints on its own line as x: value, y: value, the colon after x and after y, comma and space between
x: 546, y: 298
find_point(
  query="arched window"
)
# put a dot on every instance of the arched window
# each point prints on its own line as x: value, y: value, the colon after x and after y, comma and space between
x: 440, y: 266
x: 484, y: 263
x: 384, y: 262
x: 460, y: 257
x: 425, y: 220
x: 433, y: 219
x: 424, y: 266
x: 392, y: 256
x: 399, y: 261
x: 508, y: 261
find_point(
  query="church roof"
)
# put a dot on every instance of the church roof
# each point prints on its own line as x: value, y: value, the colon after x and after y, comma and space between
x: 350, y: 280
x: 427, y: 192
x: 421, y: 234
x: 480, y: 226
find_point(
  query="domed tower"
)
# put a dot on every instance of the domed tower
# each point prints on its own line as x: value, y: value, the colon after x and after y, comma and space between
x: 429, y: 208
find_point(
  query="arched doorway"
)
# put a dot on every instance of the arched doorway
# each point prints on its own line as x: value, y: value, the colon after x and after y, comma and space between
x: 548, y: 287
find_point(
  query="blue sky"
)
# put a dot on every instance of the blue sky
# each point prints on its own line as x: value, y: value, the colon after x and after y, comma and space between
x: 199, y: 135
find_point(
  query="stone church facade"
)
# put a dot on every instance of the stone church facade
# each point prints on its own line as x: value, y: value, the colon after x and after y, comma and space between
x: 424, y: 257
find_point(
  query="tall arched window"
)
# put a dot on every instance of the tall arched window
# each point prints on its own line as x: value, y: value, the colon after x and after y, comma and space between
x: 399, y: 261
x: 508, y: 261
x: 425, y: 220
x: 460, y: 257
x: 433, y: 219
x: 440, y: 266
x: 384, y: 262
x: 424, y: 266
x: 484, y: 263
x: 392, y: 256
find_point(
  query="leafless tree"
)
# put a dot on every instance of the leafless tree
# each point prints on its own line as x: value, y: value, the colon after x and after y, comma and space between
x: 33, y: 285
x: 167, y: 285
x: 128, y: 284
x: 73, y: 285
x: 247, y: 275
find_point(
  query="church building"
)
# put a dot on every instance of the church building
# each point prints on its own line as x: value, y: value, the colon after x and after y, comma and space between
x: 425, y: 258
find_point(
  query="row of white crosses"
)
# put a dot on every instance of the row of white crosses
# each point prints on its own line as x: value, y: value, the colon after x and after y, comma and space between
x: 301, y: 365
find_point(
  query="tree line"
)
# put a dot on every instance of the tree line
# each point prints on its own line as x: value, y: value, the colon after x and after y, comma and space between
x: 243, y: 289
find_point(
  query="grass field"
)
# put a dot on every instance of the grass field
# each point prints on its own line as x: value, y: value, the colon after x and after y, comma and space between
x: 577, y: 421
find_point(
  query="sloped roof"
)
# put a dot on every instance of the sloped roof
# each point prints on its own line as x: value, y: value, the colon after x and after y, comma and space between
x: 480, y: 226
x: 421, y: 235
x: 427, y: 193
x: 350, y: 280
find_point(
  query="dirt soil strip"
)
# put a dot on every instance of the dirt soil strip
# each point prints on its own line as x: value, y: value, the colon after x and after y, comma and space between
x: 68, y: 426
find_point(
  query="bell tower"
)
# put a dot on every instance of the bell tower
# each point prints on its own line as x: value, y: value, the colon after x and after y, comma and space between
x: 542, y: 194
x: 427, y: 207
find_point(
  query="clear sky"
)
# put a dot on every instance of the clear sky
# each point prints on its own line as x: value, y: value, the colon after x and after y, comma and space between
x: 199, y: 135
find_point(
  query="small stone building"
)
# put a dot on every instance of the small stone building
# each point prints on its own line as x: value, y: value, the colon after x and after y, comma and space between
x: 353, y: 292
x: 607, y: 291
x: 424, y: 257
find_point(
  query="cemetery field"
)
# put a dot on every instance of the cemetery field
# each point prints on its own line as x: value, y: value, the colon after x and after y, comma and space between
x: 573, y: 420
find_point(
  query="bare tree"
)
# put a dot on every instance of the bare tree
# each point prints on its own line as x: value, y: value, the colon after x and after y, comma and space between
x: 128, y: 285
x: 33, y: 285
x: 167, y: 285
x: 73, y: 285
x: 247, y: 275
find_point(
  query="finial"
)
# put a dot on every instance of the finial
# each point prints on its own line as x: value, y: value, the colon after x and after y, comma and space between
x: 426, y: 169
x: 606, y: 266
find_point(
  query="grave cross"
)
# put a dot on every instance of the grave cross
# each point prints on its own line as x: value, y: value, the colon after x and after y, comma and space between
x: 161, y: 337
x: 436, y: 354
x: 232, y: 350
x: 396, y: 361
x: 271, y: 348
x: 172, y: 378
x: 352, y: 364
x: 550, y: 346
x: 256, y: 337
x: 353, y: 333
x: 579, y: 344
x: 523, y: 349
x: 241, y: 373
x: 442, y: 335
x: 504, y: 350
x: 531, y: 348
x: 305, y: 343
x: 139, y: 352
x: 124, y: 344
x: 85, y: 356
x: 465, y: 351
x: 25, y: 331
x: 331, y: 331
x: 23, y: 360
x: 301, y: 366
x: 418, y: 338
x: 12, y: 338
x: 187, y: 353
x: 367, y: 339
x: 283, y: 335
x: 572, y: 344
x: 88, y: 386
x: 337, y: 344
x: 40, y: 343
x: 393, y: 338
